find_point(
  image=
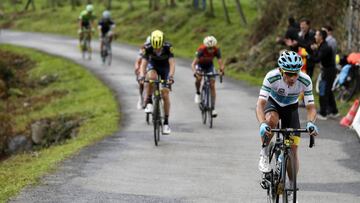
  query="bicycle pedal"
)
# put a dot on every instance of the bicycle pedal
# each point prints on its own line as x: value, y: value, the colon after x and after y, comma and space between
x: 264, y: 185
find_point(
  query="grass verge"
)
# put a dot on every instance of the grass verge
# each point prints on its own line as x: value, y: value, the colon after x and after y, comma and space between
x: 86, y: 96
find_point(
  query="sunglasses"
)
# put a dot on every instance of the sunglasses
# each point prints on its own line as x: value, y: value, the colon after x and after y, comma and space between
x: 290, y: 74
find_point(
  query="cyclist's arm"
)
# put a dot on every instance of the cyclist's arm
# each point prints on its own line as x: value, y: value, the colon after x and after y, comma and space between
x: 260, y: 107
x: 137, y: 65
x: 221, y: 65
x: 143, y: 65
x: 193, y: 64
x: 311, y: 112
x: 172, y: 66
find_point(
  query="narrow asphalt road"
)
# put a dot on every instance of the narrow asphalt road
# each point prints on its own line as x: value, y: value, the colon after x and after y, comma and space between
x: 194, y: 163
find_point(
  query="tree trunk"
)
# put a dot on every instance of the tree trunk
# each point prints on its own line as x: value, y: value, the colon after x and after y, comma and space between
x: 131, y: 5
x: 28, y: 4
x: 227, y: 18
x: 172, y: 3
x: 109, y: 4
x: 211, y: 9
x: 241, y: 12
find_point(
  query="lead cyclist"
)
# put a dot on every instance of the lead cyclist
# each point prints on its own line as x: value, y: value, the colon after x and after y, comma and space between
x: 278, y: 99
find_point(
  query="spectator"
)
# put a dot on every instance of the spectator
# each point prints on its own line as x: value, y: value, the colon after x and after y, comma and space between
x: 323, y: 53
x: 305, y: 39
x: 290, y: 34
x: 331, y: 41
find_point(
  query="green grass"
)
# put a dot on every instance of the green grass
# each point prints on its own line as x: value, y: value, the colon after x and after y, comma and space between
x: 87, y: 97
x: 184, y: 27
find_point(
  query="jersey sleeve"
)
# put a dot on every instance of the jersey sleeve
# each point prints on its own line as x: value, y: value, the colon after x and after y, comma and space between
x: 218, y: 53
x: 308, y: 94
x: 265, y: 89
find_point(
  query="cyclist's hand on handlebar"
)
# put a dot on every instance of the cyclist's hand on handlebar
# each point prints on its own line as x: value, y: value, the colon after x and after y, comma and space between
x: 312, y: 128
x: 264, y: 129
x: 222, y: 72
x: 171, y: 80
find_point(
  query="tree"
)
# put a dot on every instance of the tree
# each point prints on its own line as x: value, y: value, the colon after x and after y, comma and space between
x: 227, y: 18
x: 154, y: 5
x: 28, y: 4
x: 211, y: 12
x: 172, y: 3
x: 131, y: 5
x: 241, y: 12
x: 108, y: 6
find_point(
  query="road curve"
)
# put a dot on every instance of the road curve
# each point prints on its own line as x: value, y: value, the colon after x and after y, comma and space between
x: 194, y: 163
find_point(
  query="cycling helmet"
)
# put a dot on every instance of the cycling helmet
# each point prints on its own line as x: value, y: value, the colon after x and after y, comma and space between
x: 157, y: 39
x: 89, y: 8
x: 106, y: 15
x: 210, y: 41
x: 290, y: 61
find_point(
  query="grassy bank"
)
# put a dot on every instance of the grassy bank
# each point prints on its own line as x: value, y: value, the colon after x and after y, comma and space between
x: 183, y: 26
x: 85, y: 96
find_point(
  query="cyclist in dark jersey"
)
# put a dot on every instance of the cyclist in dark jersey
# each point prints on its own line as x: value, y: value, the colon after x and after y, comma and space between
x: 137, y: 73
x: 106, y: 27
x: 203, y: 62
x: 158, y: 59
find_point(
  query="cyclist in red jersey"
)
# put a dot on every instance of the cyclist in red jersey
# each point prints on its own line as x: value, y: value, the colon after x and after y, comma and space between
x: 203, y: 62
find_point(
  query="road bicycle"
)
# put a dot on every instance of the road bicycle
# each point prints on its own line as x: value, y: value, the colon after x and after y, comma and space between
x: 85, y: 44
x: 106, y: 54
x: 281, y: 159
x: 205, y: 98
x: 344, y: 89
x: 158, y: 109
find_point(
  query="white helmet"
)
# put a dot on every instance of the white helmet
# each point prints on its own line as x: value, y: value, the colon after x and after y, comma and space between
x: 89, y: 8
x: 106, y: 15
x: 210, y: 41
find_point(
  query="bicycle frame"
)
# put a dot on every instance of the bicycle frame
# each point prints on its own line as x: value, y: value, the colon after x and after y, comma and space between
x: 107, y: 55
x: 279, y: 152
x: 85, y: 44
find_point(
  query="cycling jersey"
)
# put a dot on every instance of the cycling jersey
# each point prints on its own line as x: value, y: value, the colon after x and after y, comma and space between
x: 206, y: 57
x: 275, y: 87
x: 86, y: 18
x: 158, y: 59
x: 106, y: 26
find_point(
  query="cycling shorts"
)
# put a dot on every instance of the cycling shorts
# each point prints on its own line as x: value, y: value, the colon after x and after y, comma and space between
x: 162, y: 71
x: 289, y: 116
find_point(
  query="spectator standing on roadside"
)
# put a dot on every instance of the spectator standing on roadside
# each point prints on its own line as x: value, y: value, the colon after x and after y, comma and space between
x: 330, y: 39
x: 291, y: 34
x: 323, y: 53
x: 305, y: 40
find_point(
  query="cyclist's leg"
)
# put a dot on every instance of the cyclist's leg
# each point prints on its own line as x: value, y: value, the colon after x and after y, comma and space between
x: 212, y: 86
x: 81, y: 35
x: 102, y: 38
x: 290, y: 119
x: 272, y: 110
x: 110, y: 35
x: 198, y: 80
x: 149, y: 87
x: 164, y: 74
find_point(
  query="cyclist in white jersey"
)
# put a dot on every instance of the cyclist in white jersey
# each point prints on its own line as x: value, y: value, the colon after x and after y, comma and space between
x: 278, y: 99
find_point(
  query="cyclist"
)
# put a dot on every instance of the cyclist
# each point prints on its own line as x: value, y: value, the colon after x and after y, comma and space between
x: 278, y: 99
x: 137, y: 73
x: 203, y: 62
x: 158, y: 59
x: 86, y: 21
x: 106, y: 27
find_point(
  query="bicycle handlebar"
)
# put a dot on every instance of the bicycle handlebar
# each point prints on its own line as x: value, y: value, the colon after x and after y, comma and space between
x: 293, y: 130
x: 212, y: 74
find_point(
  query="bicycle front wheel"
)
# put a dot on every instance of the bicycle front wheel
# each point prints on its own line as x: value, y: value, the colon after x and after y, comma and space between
x: 156, y: 121
x: 203, y: 104
x: 289, y: 173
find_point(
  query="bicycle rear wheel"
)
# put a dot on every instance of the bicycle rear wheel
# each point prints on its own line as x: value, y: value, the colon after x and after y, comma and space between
x: 290, y: 190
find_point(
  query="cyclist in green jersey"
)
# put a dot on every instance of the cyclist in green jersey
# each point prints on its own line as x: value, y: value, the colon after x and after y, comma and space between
x: 86, y: 21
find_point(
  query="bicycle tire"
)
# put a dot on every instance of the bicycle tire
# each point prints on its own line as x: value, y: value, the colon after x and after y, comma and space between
x: 210, y: 110
x: 284, y: 177
x: 156, y: 121
x: 203, y: 106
